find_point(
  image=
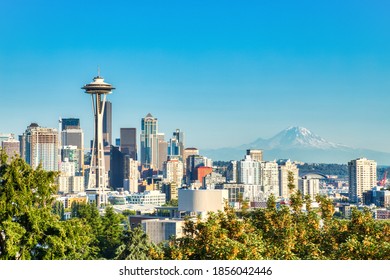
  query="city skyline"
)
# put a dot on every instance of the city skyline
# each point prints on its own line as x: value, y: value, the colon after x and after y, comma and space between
x: 243, y: 69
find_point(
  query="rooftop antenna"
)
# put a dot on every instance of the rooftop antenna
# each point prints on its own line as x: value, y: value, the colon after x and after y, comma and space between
x: 98, y: 71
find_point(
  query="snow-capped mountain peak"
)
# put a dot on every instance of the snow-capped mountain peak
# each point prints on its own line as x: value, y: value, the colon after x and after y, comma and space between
x: 297, y: 137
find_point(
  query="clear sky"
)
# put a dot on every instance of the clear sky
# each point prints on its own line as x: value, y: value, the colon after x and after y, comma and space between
x: 224, y: 72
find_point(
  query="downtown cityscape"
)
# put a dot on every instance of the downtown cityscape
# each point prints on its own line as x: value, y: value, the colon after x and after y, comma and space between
x: 180, y: 132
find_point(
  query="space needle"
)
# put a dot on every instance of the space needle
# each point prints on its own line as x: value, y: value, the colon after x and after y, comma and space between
x: 97, y: 182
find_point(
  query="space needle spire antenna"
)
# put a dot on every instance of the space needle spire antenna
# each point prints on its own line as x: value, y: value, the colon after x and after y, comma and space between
x: 97, y: 182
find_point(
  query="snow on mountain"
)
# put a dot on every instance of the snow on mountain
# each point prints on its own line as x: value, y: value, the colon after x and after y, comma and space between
x: 296, y: 137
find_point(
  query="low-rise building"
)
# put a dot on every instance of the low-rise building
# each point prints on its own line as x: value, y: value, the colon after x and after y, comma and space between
x: 202, y: 201
x: 377, y: 196
x: 162, y: 230
x: 148, y: 197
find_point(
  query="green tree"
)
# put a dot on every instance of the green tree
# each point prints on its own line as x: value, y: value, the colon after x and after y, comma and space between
x: 59, y: 209
x: 28, y: 227
x: 137, y: 246
x: 222, y: 236
x: 111, y: 233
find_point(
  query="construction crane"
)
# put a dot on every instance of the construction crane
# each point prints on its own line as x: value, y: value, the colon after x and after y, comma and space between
x: 382, y: 182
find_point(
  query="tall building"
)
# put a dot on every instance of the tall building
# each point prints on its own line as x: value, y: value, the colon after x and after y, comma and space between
x: 269, y: 178
x: 131, y: 174
x: 248, y: 171
x: 188, y: 152
x: 128, y: 142
x: 149, y: 141
x: 173, y: 171
x: 231, y: 172
x: 107, y: 124
x: 193, y: 162
x: 98, y: 179
x: 162, y: 151
x: 309, y: 185
x: 256, y: 155
x: 117, y: 168
x: 69, y: 123
x: 73, y: 135
x: 285, y: 168
x: 11, y: 147
x: 176, y: 144
x: 40, y: 146
x: 362, y: 177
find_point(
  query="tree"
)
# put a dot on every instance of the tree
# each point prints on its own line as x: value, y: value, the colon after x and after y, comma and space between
x: 28, y: 227
x: 111, y: 233
x: 222, y: 236
x: 137, y: 246
x: 59, y: 209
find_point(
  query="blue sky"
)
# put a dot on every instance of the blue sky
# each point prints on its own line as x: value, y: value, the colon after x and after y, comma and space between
x: 224, y: 72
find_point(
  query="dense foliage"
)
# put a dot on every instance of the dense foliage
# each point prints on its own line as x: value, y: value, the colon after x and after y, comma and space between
x: 32, y: 227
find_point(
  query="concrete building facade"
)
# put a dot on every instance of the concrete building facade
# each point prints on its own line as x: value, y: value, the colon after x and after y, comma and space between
x: 362, y: 177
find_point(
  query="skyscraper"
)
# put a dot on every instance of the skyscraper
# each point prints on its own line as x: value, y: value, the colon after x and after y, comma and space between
x: 117, y: 168
x: 284, y: 169
x: 41, y: 147
x: 173, y: 171
x: 188, y: 152
x: 70, y: 123
x: 131, y: 174
x: 162, y: 151
x: 193, y: 162
x: 248, y: 171
x: 73, y: 135
x: 128, y: 142
x: 107, y: 124
x: 362, y: 177
x: 309, y: 185
x: 149, y: 141
x: 176, y: 144
x: 269, y: 178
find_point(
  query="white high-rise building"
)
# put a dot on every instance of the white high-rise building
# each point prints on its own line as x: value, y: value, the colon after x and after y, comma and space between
x: 269, y: 178
x: 248, y: 171
x: 132, y: 175
x: 284, y: 169
x: 309, y: 186
x: 362, y: 177
x: 41, y: 146
x: 173, y: 171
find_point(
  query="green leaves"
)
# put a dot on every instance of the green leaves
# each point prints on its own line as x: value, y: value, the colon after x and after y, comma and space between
x: 221, y: 237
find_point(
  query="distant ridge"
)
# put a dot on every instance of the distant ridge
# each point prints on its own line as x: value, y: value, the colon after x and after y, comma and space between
x: 299, y: 144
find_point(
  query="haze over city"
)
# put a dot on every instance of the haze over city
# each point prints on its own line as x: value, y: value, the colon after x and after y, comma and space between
x: 224, y: 72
